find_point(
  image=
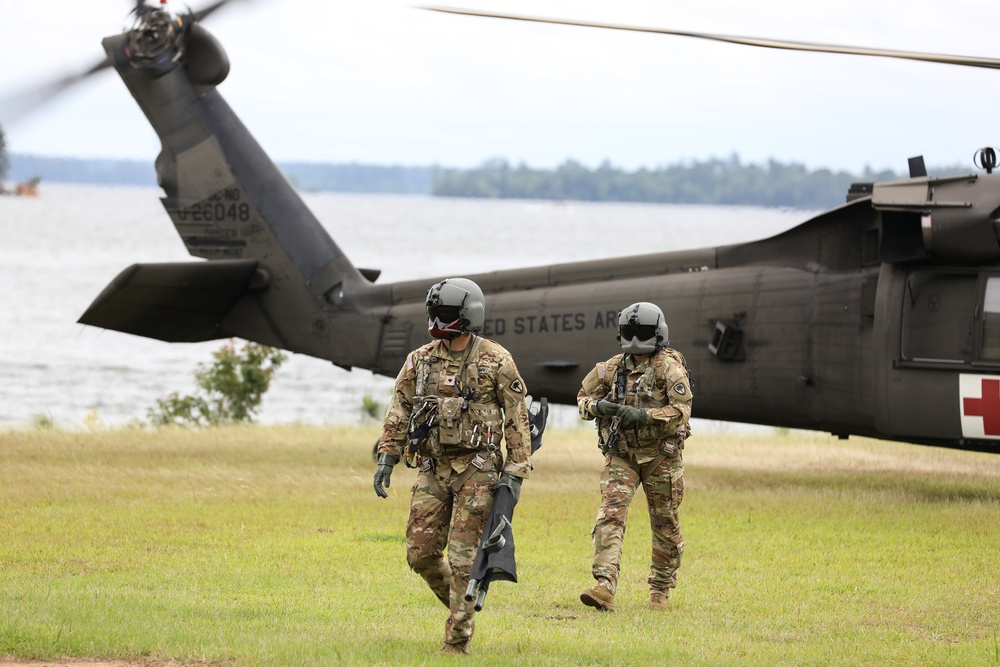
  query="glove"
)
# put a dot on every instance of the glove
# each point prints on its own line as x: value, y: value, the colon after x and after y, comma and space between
x: 604, y: 408
x: 632, y: 416
x: 383, y: 471
x: 513, y: 482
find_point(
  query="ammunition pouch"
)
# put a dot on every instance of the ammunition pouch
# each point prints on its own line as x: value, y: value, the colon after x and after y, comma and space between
x: 450, y: 420
x: 478, y: 426
x: 482, y: 426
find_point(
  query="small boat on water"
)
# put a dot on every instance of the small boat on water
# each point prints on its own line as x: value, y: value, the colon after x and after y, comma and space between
x: 26, y: 189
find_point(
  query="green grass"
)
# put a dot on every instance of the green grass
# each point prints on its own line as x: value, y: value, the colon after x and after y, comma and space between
x: 268, y: 546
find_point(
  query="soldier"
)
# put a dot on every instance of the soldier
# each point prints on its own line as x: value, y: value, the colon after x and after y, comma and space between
x: 642, y: 401
x: 455, y: 399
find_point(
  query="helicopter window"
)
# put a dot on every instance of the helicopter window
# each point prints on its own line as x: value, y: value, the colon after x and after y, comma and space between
x: 938, y: 312
x: 991, y: 320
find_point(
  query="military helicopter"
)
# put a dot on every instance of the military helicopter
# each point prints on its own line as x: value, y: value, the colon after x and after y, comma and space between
x: 878, y: 318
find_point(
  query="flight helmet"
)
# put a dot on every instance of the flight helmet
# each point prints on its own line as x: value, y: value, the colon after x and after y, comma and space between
x: 642, y: 328
x: 455, y: 306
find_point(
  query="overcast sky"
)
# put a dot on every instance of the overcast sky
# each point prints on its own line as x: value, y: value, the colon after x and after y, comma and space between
x: 382, y: 82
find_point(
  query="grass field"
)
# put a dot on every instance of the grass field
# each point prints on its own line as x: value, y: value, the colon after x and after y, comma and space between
x: 268, y: 546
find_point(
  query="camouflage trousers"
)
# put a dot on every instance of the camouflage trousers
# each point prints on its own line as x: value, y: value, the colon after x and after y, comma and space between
x: 664, y: 488
x: 441, y: 518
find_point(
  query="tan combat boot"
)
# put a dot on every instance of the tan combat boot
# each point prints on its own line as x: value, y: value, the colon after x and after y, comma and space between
x: 658, y: 600
x: 600, y: 596
x: 462, y: 648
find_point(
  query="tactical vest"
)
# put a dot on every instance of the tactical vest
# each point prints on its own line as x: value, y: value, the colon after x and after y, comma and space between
x: 646, y: 391
x: 464, y: 415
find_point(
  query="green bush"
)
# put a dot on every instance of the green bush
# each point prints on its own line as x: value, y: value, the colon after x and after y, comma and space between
x: 42, y: 421
x: 372, y: 408
x: 4, y: 160
x: 231, y: 388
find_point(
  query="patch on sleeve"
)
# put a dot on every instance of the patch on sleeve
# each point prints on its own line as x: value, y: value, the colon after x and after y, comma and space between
x: 517, y: 386
x: 601, y: 370
x: 409, y: 361
x: 680, y: 389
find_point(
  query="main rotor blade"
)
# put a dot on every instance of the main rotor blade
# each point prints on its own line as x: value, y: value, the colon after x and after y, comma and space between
x: 205, y: 11
x: 16, y: 106
x: 965, y: 61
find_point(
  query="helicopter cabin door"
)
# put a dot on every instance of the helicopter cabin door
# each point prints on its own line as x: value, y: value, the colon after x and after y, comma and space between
x: 944, y: 379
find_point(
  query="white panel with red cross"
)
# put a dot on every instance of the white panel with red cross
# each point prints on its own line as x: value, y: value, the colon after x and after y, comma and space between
x: 979, y: 403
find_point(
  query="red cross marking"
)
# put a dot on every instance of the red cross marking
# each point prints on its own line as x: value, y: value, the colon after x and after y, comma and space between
x: 987, y: 407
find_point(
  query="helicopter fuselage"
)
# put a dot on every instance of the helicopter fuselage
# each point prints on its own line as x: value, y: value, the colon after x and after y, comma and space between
x: 878, y: 318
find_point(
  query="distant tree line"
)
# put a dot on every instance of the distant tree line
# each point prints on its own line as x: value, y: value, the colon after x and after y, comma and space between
x: 714, y: 181
x: 4, y: 160
x: 308, y: 177
x: 77, y: 170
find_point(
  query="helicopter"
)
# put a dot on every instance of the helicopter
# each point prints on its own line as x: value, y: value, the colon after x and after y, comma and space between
x: 878, y: 318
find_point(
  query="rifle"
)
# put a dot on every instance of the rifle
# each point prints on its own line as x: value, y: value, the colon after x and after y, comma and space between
x: 416, y: 433
x: 615, y: 443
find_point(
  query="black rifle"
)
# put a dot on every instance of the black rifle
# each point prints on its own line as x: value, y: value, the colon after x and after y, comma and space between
x: 417, y: 432
x: 615, y: 443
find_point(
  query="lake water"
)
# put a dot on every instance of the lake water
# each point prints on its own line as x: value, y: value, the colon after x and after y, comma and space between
x: 60, y: 250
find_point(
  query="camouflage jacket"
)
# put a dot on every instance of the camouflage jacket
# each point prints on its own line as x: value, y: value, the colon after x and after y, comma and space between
x: 659, y: 383
x: 477, y: 401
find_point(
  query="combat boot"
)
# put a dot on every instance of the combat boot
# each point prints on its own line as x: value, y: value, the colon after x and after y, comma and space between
x: 658, y: 600
x: 600, y: 596
x: 462, y: 648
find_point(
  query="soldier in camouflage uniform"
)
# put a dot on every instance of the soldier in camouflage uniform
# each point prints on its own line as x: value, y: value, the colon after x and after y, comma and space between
x: 455, y: 399
x: 642, y: 402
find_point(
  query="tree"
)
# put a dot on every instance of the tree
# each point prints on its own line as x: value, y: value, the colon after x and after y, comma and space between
x: 714, y: 181
x: 232, y: 388
x: 4, y: 162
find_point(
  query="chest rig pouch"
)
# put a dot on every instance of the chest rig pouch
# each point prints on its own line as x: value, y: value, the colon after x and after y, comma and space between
x: 450, y: 420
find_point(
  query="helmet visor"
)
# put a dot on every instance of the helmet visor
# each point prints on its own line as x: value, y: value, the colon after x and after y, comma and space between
x: 637, y: 331
x: 444, y: 313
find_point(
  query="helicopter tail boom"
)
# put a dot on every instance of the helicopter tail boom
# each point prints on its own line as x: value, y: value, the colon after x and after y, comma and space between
x: 274, y: 274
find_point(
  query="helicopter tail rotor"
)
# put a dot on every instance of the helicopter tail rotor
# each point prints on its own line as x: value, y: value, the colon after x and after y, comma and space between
x: 157, y: 40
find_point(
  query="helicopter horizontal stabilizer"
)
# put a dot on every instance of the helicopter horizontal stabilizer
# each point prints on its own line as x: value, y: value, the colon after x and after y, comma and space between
x: 178, y: 302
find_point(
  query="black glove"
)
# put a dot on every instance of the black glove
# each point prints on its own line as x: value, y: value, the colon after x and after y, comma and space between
x: 604, y: 408
x: 632, y: 416
x: 513, y: 482
x: 383, y: 471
